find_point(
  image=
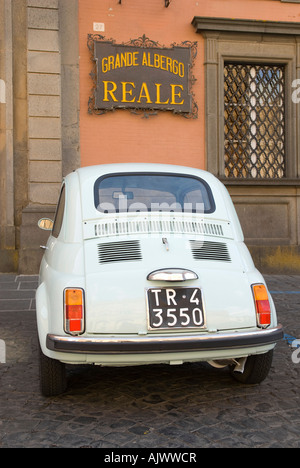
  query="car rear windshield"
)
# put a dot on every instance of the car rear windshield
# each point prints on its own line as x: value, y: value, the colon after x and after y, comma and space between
x: 135, y: 192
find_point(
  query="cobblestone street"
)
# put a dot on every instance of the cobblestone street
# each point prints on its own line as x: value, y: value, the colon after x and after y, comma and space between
x: 189, y: 406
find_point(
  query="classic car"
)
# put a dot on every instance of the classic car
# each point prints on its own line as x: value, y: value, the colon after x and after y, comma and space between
x: 146, y: 264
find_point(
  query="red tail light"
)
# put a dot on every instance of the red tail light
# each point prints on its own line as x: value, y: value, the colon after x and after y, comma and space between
x: 262, y: 304
x: 74, y: 311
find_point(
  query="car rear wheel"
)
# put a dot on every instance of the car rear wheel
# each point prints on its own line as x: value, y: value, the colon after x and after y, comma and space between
x: 256, y: 368
x: 53, y: 379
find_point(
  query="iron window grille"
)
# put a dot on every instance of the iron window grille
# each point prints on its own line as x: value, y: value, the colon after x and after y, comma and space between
x: 254, y: 111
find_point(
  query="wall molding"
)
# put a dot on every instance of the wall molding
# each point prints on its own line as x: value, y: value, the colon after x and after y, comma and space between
x: 236, y: 25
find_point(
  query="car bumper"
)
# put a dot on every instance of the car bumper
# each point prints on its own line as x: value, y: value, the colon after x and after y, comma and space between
x: 167, y: 343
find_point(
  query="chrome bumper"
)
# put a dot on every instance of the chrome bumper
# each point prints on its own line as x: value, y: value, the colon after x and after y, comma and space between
x: 150, y: 344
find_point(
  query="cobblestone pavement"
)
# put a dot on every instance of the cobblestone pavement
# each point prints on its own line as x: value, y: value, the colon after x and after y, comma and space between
x: 189, y: 406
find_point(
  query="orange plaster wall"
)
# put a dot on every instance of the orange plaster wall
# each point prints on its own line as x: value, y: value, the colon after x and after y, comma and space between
x: 165, y: 138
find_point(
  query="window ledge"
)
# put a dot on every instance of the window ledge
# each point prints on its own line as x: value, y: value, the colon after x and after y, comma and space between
x: 260, y: 182
x: 206, y: 24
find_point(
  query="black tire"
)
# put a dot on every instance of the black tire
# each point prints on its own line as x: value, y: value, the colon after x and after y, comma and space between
x: 53, y: 376
x: 257, y: 368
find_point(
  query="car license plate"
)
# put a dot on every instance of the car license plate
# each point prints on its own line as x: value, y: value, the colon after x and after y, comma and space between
x: 175, y: 308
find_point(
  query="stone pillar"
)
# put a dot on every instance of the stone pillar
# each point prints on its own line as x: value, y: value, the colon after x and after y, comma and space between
x: 44, y: 127
x: 39, y: 121
x: 8, y: 254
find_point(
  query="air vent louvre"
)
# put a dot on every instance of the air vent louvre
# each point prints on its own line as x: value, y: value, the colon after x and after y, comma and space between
x: 157, y: 225
x: 215, y: 251
x: 126, y: 251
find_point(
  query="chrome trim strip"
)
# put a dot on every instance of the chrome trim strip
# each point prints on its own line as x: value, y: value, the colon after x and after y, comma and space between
x: 150, y: 344
x: 172, y: 274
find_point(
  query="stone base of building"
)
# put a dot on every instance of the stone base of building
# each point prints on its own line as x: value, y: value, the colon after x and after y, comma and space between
x: 276, y: 260
x: 9, y: 261
x: 32, y: 237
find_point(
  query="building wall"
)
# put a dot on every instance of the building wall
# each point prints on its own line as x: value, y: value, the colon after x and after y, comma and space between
x: 164, y: 137
x: 269, y: 211
x: 161, y: 138
x: 46, y: 130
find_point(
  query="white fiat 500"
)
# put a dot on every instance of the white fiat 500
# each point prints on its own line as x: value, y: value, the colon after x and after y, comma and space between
x: 146, y: 264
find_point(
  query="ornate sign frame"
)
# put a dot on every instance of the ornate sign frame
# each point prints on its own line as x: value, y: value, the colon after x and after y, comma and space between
x: 156, y: 78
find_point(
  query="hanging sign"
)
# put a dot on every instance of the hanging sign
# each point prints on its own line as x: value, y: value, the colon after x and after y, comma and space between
x: 141, y: 75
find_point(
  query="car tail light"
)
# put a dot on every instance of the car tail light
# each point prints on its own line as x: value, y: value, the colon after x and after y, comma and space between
x: 262, y: 304
x: 74, y: 311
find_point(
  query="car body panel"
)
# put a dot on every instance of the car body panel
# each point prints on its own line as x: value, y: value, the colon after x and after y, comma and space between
x: 114, y: 306
x: 110, y: 257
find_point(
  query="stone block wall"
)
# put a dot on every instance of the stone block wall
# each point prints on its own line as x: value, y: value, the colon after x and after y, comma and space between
x: 44, y: 102
x: 44, y: 127
x: 38, y: 121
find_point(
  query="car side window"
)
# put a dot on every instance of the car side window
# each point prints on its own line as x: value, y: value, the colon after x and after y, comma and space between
x: 59, y: 215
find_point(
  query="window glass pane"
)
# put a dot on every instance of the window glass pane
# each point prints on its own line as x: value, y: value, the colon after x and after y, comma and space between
x: 59, y: 214
x: 152, y: 192
x: 254, y: 108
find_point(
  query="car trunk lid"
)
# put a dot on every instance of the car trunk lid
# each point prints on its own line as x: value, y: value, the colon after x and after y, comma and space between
x: 118, y: 264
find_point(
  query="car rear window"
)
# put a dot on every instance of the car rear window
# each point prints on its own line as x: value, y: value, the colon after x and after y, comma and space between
x: 135, y: 192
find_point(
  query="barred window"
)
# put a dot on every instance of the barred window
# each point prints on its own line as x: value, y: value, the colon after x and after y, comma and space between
x: 254, y: 111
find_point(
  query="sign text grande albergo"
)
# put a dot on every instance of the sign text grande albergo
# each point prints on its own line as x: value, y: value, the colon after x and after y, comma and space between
x: 141, y: 75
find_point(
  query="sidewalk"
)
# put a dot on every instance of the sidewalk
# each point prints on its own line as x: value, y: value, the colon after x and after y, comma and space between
x: 17, y: 292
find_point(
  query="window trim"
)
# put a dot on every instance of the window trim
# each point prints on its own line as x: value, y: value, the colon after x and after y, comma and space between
x: 243, y: 41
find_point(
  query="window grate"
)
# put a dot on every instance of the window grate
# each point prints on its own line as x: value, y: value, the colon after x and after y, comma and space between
x: 254, y: 107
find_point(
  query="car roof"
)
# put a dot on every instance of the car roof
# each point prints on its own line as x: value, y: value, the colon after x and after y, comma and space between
x: 94, y: 172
